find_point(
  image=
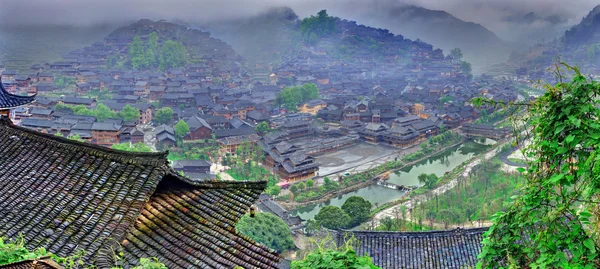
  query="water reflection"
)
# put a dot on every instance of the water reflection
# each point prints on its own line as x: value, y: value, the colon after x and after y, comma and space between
x: 438, y: 164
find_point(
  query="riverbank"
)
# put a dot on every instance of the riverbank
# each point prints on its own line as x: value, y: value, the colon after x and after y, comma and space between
x: 339, y: 192
x: 447, y: 184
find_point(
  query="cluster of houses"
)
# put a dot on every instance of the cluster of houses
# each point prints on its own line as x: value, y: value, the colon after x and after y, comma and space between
x: 399, y: 94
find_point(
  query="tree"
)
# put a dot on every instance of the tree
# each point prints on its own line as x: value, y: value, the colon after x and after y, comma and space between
x: 324, y: 256
x: 163, y: 115
x: 465, y: 67
x: 309, y: 92
x: 387, y: 223
x: 456, y: 54
x: 129, y: 113
x: 173, y: 55
x: 102, y: 112
x: 76, y: 137
x: 262, y: 127
x: 301, y: 185
x: 312, y: 226
x: 358, y: 209
x: 273, y: 190
x: 553, y: 223
x: 310, y: 183
x: 181, y: 129
x: 136, y: 53
x: 294, y: 189
x: 429, y: 180
x: 332, y: 217
x: 267, y: 229
x: 137, y: 147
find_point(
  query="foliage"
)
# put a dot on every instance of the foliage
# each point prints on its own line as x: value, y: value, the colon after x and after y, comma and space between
x: 76, y: 137
x: 101, y: 111
x: 315, y: 27
x: 137, y: 147
x: 144, y: 55
x: 263, y: 127
x: 552, y: 218
x: 267, y: 229
x: 326, y: 256
x: 358, y: 209
x: 151, y: 263
x: 333, y: 217
x: 429, y: 180
x: 173, y: 55
x: 129, y: 113
x: 475, y: 198
x: 312, y: 226
x: 291, y: 97
x: 163, y: 115
x: 14, y: 251
x: 465, y: 67
x: 181, y: 129
x: 273, y: 190
x: 456, y: 54
x: 63, y: 82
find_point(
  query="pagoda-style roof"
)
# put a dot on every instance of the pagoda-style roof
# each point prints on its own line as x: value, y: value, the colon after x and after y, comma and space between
x: 8, y: 100
x: 67, y: 196
x: 452, y: 249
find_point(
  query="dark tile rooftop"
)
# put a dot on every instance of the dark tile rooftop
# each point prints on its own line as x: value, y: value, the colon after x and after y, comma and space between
x: 8, y: 100
x: 65, y: 196
x: 452, y: 249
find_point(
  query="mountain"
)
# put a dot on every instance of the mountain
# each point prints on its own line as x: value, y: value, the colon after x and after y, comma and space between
x: 441, y: 29
x: 579, y: 45
x: 260, y: 38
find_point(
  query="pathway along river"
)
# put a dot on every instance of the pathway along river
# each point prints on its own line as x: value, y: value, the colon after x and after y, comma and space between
x: 439, y: 164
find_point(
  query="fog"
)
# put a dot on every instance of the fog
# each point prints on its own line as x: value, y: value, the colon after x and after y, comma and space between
x: 503, y: 17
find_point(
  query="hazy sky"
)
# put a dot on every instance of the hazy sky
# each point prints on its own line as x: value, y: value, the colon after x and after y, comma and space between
x: 490, y: 13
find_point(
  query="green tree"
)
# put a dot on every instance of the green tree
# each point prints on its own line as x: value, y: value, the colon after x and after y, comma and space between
x: 163, y: 115
x: 309, y: 92
x: 129, y: 113
x: 173, y: 55
x: 387, y: 223
x: 267, y: 229
x: 301, y: 185
x: 137, y: 147
x: 312, y: 226
x: 76, y: 137
x: 554, y: 222
x: 456, y: 54
x: 326, y: 257
x: 262, y: 127
x: 429, y: 180
x: 102, y: 112
x: 465, y: 67
x: 136, y: 53
x: 181, y: 129
x: 294, y: 189
x: 310, y: 183
x: 273, y: 190
x: 358, y: 209
x: 332, y: 217
x: 315, y: 27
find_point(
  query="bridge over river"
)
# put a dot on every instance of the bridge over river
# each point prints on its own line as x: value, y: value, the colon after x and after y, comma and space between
x: 483, y: 130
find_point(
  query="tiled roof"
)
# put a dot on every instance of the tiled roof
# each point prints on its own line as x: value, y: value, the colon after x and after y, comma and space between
x: 8, y: 100
x: 452, y: 249
x: 65, y: 196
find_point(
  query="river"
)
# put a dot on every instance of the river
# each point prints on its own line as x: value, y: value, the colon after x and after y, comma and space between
x: 439, y: 164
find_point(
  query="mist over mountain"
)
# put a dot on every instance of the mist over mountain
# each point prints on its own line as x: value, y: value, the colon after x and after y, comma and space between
x: 440, y: 29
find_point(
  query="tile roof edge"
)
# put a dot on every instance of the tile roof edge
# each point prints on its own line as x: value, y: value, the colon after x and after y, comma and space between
x: 148, y: 158
x: 451, y: 231
x: 261, y: 184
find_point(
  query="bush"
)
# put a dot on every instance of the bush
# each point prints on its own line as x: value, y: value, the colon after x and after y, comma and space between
x: 267, y: 229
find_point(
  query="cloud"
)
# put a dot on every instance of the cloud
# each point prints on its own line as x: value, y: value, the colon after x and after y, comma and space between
x: 490, y: 13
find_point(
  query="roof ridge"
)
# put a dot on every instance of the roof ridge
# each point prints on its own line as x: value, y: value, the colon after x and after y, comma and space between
x: 28, y: 99
x: 152, y: 158
x: 451, y: 231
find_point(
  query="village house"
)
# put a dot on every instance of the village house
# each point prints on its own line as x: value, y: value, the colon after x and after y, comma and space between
x: 105, y: 134
x: 199, y: 129
x: 165, y: 136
